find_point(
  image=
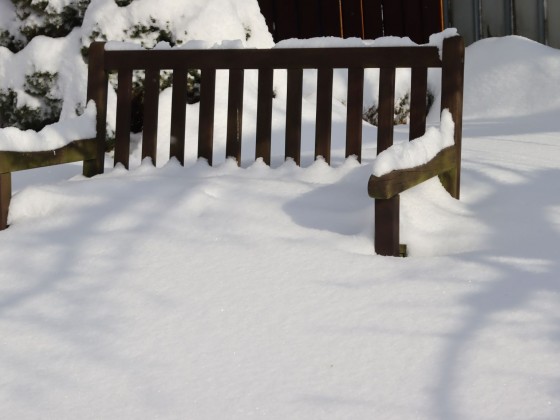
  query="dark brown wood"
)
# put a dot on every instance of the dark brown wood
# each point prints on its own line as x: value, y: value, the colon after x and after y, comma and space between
x: 178, y: 115
x: 122, y: 131
x: 416, y: 19
x: 418, y: 102
x: 323, y: 116
x: 354, y: 108
x: 267, y: 10
x: 309, y: 15
x: 393, y: 18
x: 373, y: 19
x: 264, y: 115
x: 330, y: 18
x: 293, y: 115
x: 352, y: 22
x: 432, y: 17
x: 307, y: 58
x: 206, y: 115
x: 151, y: 110
x: 75, y: 151
x: 235, y: 114
x: 395, y: 182
x: 386, y: 211
x: 97, y: 87
x: 286, y: 19
x: 5, y: 198
x: 387, y: 216
x: 452, y: 99
x: 386, y: 108
x: 412, y: 20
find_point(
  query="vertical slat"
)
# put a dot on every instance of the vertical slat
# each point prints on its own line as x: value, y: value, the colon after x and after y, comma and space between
x: 354, y: 112
x: 5, y: 198
x: 508, y: 13
x: 393, y: 22
x: 151, y: 108
x: 323, y: 119
x: 293, y: 115
x: 541, y: 22
x: 413, y: 20
x: 309, y: 15
x: 432, y: 17
x: 122, y: 131
x: 178, y: 115
x: 98, y: 83
x: 330, y: 18
x: 352, y: 22
x: 286, y: 20
x: 267, y: 10
x: 386, y: 108
x: 418, y: 105
x: 477, y: 12
x: 235, y: 114
x: 452, y: 99
x: 264, y: 114
x: 206, y: 115
x: 386, y: 211
x: 373, y: 19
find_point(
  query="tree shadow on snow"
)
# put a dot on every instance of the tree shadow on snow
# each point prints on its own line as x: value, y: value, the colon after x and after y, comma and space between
x: 522, y: 249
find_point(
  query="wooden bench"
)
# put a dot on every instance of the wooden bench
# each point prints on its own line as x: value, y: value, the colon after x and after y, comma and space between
x: 384, y: 189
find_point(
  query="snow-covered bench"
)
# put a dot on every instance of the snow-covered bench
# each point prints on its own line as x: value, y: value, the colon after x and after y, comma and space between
x: 104, y: 59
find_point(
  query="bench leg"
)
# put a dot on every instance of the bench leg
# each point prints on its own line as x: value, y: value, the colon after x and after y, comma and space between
x: 92, y: 168
x: 5, y: 197
x: 387, y: 227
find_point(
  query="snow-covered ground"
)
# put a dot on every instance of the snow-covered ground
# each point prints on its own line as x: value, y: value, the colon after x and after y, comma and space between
x: 226, y: 292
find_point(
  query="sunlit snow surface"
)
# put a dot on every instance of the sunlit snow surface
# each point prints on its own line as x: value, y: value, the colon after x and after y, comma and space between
x: 226, y: 292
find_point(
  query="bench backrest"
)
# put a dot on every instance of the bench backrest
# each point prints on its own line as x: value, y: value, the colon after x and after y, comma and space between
x: 356, y: 60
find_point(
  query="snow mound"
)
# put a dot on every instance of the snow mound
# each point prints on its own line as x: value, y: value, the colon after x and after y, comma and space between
x: 510, y: 76
x: 52, y: 136
x: 418, y: 151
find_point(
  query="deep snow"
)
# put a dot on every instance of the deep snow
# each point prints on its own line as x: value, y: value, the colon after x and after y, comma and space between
x: 252, y: 292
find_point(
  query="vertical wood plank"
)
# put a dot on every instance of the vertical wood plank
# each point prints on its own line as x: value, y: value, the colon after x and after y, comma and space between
x: 98, y: 83
x: 235, y: 114
x: 352, y: 22
x: 386, y: 211
x: 206, y: 115
x: 286, y: 20
x: 122, y: 130
x: 413, y: 20
x: 323, y: 118
x: 309, y: 18
x: 386, y: 108
x: 373, y: 19
x: 264, y: 114
x: 432, y: 16
x: 330, y: 18
x: 354, y: 112
x: 267, y: 10
x: 393, y: 14
x: 418, y: 105
x: 151, y: 110
x: 452, y: 99
x: 293, y: 115
x: 5, y: 198
x: 178, y: 115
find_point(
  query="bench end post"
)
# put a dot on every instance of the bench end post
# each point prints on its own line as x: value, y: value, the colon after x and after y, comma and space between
x: 98, y: 83
x: 5, y: 198
x: 452, y: 75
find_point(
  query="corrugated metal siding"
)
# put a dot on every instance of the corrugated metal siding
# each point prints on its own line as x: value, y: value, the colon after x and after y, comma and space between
x: 475, y: 19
